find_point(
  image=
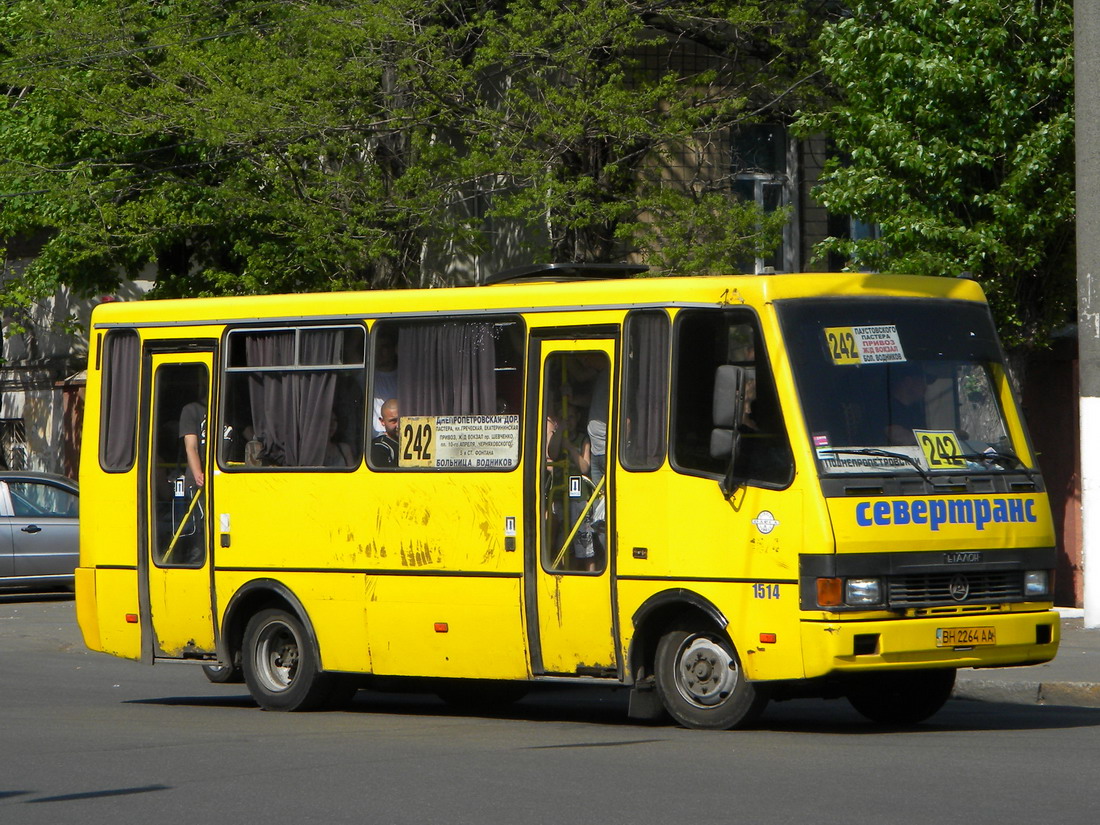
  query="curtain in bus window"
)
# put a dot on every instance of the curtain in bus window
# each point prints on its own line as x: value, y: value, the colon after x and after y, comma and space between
x: 446, y: 369
x: 646, y: 392
x: 291, y: 410
x: 120, y: 385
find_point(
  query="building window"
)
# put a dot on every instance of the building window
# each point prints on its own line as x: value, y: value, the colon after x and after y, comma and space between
x: 761, y: 173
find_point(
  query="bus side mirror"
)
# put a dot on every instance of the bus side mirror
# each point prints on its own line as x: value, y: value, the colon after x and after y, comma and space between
x: 726, y: 413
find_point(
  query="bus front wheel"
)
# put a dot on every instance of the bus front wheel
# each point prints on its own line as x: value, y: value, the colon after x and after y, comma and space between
x: 903, y: 697
x: 701, y: 683
x: 282, y: 667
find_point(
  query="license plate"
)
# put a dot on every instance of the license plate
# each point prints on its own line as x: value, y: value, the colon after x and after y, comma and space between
x: 965, y: 636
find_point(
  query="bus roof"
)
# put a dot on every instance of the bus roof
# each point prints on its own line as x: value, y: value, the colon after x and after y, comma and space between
x: 527, y: 296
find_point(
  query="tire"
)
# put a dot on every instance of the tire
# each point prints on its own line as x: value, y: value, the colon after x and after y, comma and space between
x: 223, y: 674
x: 701, y: 683
x: 282, y: 667
x: 903, y: 697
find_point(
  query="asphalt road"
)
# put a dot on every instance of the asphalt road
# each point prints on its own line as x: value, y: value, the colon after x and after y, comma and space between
x: 88, y: 739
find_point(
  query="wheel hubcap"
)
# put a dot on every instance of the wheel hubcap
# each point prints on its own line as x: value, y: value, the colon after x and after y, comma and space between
x: 277, y: 657
x: 706, y: 672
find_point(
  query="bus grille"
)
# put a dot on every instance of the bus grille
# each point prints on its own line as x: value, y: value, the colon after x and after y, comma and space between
x: 955, y: 588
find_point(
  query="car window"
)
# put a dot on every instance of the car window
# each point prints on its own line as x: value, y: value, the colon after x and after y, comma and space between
x: 32, y: 498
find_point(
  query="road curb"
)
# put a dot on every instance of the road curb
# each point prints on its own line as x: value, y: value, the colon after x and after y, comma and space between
x: 1068, y: 694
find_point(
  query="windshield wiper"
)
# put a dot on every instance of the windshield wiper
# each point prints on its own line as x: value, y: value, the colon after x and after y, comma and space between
x: 874, y: 451
x: 1010, y: 461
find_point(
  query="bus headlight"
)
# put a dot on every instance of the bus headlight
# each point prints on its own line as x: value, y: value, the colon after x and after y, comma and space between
x: 1036, y: 583
x: 862, y: 592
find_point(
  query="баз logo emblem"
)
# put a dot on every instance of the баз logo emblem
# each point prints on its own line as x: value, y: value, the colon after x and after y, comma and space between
x: 959, y: 588
x: 765, y: 522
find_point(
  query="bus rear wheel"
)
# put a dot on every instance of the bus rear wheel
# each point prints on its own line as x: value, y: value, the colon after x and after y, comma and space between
x: 223, y: 674
x: 903, y: 697
x: 282, y: 667
x: 701, y: 683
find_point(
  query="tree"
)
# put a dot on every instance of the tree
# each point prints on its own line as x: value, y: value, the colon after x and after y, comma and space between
x: 283, y: 145
x: 239, y: 147
x: 954, y: 134
x: 611, y: 122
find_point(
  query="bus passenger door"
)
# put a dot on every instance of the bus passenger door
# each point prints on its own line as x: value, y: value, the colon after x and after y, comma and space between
x: 569, y: 569
x: 176, y: 588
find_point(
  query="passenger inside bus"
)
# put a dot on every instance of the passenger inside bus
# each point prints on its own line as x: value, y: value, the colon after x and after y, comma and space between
x: 571, y: 503
x: 385, y: 446
x: 568, y: 489
x: 183, y: 541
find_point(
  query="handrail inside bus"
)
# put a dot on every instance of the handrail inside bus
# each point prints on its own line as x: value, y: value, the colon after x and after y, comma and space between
x: 179, y: 530
x: 577, y: 524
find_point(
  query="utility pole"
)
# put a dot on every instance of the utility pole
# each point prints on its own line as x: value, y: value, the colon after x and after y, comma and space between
x: 1086, y: 27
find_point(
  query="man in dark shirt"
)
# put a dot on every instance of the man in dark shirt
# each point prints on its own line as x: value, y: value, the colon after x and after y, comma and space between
x: 190, y: 538
x: 193, y: 433
x: 384, y: 447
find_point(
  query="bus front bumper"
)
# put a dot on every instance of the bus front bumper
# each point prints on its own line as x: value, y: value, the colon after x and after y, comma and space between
x: 976, y: 640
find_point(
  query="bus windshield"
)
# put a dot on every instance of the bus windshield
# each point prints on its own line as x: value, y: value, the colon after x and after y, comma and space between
x: 899, y: 385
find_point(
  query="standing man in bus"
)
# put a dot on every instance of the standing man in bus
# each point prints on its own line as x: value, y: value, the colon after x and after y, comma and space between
x: 384, y: 447
x: 193, y: 433
x: 188, y: 502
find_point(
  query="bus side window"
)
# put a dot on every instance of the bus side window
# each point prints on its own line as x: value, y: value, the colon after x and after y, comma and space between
x: 118, y: 411
x: 705, y: 340
x: 294, y: 397
x: 644, y: 419
x: 463, y: 375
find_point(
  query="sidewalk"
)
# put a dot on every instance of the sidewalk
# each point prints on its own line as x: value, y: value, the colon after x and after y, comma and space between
x: 1073, y: 678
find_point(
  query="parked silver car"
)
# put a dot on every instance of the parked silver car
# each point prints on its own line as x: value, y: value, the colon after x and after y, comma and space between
x: 39, y: 541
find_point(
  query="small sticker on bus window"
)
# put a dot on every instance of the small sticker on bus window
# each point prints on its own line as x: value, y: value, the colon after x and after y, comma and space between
x: 460, y: 442
x: 941, y: 449
x: 870, y: 459
x: 864, y: 345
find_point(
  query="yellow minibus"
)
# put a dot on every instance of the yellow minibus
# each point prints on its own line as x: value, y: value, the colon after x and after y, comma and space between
x: 713, y: 491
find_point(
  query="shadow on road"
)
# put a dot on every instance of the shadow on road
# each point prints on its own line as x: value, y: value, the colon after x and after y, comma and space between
x: 16, y: 596
x: 608, y: 706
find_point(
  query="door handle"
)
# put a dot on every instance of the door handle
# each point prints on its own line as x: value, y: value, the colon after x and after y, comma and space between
x: 31, y: 528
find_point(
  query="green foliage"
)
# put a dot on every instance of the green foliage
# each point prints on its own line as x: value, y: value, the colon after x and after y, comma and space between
x: 598, y: 117
x: 702, y: 234
x: 235, y: 147
x: 955, y: 135
x: 254, y: 146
